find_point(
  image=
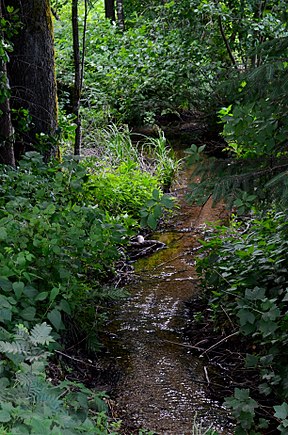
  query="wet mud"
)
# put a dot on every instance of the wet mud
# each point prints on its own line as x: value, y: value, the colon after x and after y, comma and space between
x: 161, y: 385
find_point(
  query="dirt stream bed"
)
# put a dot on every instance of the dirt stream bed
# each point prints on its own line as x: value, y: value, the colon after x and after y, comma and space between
x: 157, y: 382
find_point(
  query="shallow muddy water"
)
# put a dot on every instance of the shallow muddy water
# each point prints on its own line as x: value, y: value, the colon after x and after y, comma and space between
x: 161, y: 385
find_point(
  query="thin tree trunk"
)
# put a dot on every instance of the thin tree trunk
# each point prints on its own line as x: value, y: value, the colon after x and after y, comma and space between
x: 110, y: 10
x: 77, y: 77
x: 120, y: 15
x: 226, y: 42
x: 6, y: 129
x: 31, y: 73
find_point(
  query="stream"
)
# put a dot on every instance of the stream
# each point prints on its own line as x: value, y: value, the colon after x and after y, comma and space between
x: 159, y: 383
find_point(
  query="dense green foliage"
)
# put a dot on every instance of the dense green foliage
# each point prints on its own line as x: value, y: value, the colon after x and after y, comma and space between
x: 51, y: 239
x: 246, y: 275
x: 63, y: 225
x: 30, y: 404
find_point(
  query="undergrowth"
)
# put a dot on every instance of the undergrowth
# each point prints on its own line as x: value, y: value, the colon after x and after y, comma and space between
x: 30, y: 404
x: 245, y: 274
x: 63, y: 226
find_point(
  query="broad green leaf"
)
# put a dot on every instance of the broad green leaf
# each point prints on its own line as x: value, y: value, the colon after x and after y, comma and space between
x: 157, y: 211
x: 54, y: 293
x: 4, y: 416
x: 246, y: 316
x: 152, y: 222
x: 4, y: 302
x: 263, y: 423
x: 5, y: 284
x: 266, y: 360
x: 64, y: 306
x: 4, y: 382
x: 28, y: 313
x: 167, y: 202
x: 264, y: 388
x: 156, y: 194
x: 255, y: 294
x: 251, y: 361
x: 281, y: 411
x: 272, y: 314
x: 267, y: 327
x: 3, y: 234
x: 30, y: 292
x: 5, y: 315
x: 242, y: 394
x: 50, y: 209
x: 18, y: 288
x: 41, y: 296
x: 55, y: 318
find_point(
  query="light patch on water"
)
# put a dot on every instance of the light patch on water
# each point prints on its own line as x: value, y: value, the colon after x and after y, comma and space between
x: 162, y: 385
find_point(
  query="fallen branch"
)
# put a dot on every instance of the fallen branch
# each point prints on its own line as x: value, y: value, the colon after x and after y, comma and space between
x: 188, y: 346
x: 218, y: 343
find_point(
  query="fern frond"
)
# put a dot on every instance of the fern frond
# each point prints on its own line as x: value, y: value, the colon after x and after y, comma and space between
x: 49, y: 399
x: 41, y: 334
x: 280, y: 178
x: 38, y: 355
x: 16, y: 348
x: 224, y: 179
x: 4, y: 334
x: 24, y: 379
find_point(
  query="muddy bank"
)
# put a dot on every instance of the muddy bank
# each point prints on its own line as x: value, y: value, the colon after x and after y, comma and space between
x: 157, y: 382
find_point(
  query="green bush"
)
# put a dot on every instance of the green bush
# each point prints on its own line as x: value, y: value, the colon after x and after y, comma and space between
x: 123, y: 191
x: 132, y: 77
x: 56, y: 246
x: 30, y: 404
x: 246, y: 275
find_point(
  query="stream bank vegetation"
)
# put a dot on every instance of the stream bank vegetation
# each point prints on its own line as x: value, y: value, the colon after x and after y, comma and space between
x: 63, y: 228
x: 242, y: 266
x: 65, y: 223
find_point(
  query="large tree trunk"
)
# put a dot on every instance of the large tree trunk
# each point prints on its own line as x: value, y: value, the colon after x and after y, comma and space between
x: 31, y: 73
x: 110, y: 10
x: 6, y: 129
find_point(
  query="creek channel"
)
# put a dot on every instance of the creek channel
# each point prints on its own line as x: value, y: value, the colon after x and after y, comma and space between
x: 158, y: 383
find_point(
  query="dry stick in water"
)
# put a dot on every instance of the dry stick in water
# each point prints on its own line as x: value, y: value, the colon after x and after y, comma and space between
x: 219, y: 342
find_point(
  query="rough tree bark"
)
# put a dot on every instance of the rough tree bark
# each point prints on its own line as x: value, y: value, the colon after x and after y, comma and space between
x: 31, y: 72
x: 6, y: 129
x: 110, y: 10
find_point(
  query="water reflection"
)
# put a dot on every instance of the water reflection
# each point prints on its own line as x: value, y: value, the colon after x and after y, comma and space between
x: 162, y: 385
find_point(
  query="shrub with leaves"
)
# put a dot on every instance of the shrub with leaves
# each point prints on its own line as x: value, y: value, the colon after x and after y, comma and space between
x: 246, y: 276
x: 30, y: 404
x: 123, y: 191
x: 56, y: 245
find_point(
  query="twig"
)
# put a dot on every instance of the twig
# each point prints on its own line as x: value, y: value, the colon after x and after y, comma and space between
x: 75, y: 359
x: 227, y: 315
x: 169, y: 261
x: 219, y: 342
x: 189, y: 346
x: 206, y: 375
